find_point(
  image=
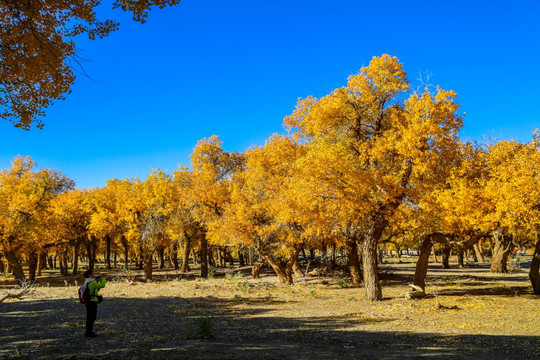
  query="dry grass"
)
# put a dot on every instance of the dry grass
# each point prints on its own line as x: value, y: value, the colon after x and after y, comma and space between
x: 473, y: 314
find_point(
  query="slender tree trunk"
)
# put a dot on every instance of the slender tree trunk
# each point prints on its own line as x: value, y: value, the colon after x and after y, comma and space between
x: 75, y: 257
x: 324, y: 251
x: 241, y: 256
x: 161, y: 257
x: 108, y: 255
x: 126, y: 252
x: 435, y: 259
x: 474, y: 256
x: 91, y: 257
x: 204, y: 256
x: 185, y: 255
x: 502, y: 248
x: 461, y: 262
x: 2, y: 266
x: 175, y: 255
x: 148, y: 261
x: 39, y: 263
x: 534, y: 270
x: 333, y: 259
x: 219, y: 257
x: 422, y: 263
x: 354, y: 261
x: 446, y: 257
x: 50, y: 262
x: 478, y: 251
x: 64, y: 258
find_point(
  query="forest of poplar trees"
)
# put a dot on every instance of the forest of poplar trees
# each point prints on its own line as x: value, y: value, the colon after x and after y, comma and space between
x: 373, y: 166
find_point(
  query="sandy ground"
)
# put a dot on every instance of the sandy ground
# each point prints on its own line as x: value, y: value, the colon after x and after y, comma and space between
x: 483, y: 316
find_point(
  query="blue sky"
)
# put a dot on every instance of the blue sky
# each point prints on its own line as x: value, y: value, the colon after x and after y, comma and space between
x: 236, y: 68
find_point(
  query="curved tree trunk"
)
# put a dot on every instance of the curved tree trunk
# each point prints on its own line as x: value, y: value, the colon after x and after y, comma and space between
x: 297, y: 269
x: 422, y: 263
x: 354, y: 261
x: 534, y: 270
x: 15, y: 264
x: 478, y: 251
x: 502, y: 248
x: 446, y: 258
x: 280, y: 272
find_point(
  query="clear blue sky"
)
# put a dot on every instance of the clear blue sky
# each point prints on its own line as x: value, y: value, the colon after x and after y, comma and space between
x: 236, y: 68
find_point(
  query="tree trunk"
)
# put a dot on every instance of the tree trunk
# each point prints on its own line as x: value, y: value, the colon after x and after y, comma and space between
x: 293, y: 259
x: 219, y: 257
x: 256, y: 269
x: 108, y: 255
x: 115, y: 262
x: 76, y: 258
x: 241, y: 256
x: 534, y: 270
x: 297, y: 269
x: 161, y: 257
x: 502, y: 248
x: 435, y: 259
x: 354, y: 261
x: 474, y: 256
x: 369, y: 260
x: 91, y: 257
x: 280, y: 272
x: 148, y: 266
x: 50, y: 262
x: 126, y: 252
x: 204, y: 256
x: 422, y: 263
x: 32, y: 265
x: 175, y: 255
x: 185, y: 255
x: 461, y: 263
x: 39, y: 263
x: 2, y: 266
x: 333, y: 259
x: 478, y: 251
x: 15, y: 264
x: 446, y: 258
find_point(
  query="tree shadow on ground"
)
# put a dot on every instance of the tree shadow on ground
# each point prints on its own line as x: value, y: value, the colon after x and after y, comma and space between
x: 174, y: 327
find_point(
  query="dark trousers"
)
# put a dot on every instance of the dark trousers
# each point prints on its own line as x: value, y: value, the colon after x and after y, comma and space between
x: 91, y: 313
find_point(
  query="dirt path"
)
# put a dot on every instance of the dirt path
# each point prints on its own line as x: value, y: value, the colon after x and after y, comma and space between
x: 496, y: 317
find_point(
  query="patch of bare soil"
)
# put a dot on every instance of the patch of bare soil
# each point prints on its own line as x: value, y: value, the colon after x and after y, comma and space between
x: 231, y: 316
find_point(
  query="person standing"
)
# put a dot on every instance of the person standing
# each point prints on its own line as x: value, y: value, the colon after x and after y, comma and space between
x: 94, y: 283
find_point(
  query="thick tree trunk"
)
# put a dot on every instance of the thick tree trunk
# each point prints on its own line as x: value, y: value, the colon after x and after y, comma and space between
x: 108, y: 255
x: 446, y: 258
x: 502, y: 248
x: 293, y: 259
x: 354, y: 261
x: 256, y: 269
x: 461, y: 262
x: 422, y: 263
x: 32, y: 265
x: 15, y: 264
x: 75, y: 258
x: 371, y: 272
x: 534, y: 270
x: 280, y: 272
x: 2, y: 266
x: 185, y: 255
x: 478, y: 251
x: 204, y: 256
x: 148, y: 260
